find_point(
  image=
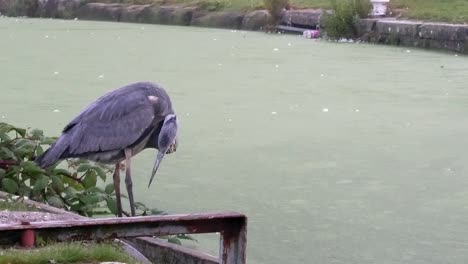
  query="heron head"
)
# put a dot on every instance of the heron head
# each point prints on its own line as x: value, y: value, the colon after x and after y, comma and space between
x: 167, y: 141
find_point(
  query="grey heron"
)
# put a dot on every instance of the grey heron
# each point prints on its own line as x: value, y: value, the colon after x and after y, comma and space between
x: 116, y: 127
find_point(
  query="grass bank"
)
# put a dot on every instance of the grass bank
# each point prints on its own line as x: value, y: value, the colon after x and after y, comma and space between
x: 67, y: 253
x: 454, y: 11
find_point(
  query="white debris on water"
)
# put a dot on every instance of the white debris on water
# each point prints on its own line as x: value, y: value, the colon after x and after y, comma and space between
x: 357, y: 110
x: 322, y: 75
x: 215, y: 39
x: 233, y: 31
x: 325, y: 110
x: 187, y: 114
x: 3, y: 117
x: 275, y: 49
x: 273, y: 112
x: 56, y: 72
x: 46, y: 36
x: 289, y: 44
x: 220, y: 64
x: 456, y: 55
x: 277, y: 66
x: 75, y: 19
x: 101, y: 76
x: 142, y: 28
x: 56, y: 111
x: 408, y: 51
x: 229, y: 120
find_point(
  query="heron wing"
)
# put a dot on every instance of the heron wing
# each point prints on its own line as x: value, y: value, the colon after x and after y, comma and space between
x: 115, y: 121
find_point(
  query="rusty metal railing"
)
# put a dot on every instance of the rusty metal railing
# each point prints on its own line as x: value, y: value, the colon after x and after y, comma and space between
x: 232, y: 227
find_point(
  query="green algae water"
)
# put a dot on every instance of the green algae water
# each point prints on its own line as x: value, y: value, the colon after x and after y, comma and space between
x: 337, y: 152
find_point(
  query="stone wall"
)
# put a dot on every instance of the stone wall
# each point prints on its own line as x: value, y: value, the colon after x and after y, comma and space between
x: 442, y: 36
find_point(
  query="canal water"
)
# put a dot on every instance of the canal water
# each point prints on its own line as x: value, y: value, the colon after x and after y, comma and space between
x: 337, y: 152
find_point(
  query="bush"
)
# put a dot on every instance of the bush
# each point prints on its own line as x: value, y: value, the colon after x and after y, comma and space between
x: 342, y: 22
x: 73, y: 186
x: 275, y: 8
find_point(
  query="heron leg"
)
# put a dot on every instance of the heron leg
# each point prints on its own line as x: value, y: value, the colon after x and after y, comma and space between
x: 117, y: 189
x: 128, y: 179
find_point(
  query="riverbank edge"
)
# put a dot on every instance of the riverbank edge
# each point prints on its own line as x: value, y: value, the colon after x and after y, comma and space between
x: 390, y: 31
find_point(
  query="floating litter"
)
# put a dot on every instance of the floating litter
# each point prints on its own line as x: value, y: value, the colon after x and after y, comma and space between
x: 142, y: 27
x: 56, y: 111
x: 101, y: 76
x: 275, y: 49
x: 322, y: 75
x: 408, y: 51
x: 325, y: 110
x: 220, y: 64
x: 46, y: 36
x: 3, y: 117
x: 75, y: 18
x: 456, y: 55
x: 273, y: 113
x: 214, y: 39
x: 229, y: 120
x: 289, y: 44
x: 187, y: 114
x: 357, y: 110
x: 56, y: 72
x: 276, y: 66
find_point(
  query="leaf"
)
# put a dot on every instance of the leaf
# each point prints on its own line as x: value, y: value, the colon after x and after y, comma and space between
x: 92, y: 198
x: 84, y: 167
x: 31, y: 168
x: 9, y: 185
x: 48, y: 141
x: 39, y: 150
x: 20, y: 131
x: 8, y: 153
x: 41, y: 184
x: 100, y: 172
x: 55, y: 201
x: 109, y: 188
x: 4, y: 137
x: 57, y: 183
x: 37, y: 134
x: 90, y: 179
x: 174, y: 240
x: 24, y: 190
x: 112, y: 205
x: 70, y: 192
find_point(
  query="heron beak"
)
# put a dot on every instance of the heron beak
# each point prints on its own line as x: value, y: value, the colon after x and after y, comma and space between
x: 159, y: 158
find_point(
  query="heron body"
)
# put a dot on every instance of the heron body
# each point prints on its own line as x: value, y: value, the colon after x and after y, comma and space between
x: 116, y: 127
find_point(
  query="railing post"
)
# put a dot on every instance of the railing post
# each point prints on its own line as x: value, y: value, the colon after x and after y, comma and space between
x: 233, y: 244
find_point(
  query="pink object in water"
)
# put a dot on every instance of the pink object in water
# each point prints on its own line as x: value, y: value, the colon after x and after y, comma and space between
x: 311, y: 34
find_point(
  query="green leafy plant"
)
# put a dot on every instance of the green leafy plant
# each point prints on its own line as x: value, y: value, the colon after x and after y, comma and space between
x: 341, y: 23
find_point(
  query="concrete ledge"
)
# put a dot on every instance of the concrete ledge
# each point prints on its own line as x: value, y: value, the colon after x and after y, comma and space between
x: 441, y: 36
